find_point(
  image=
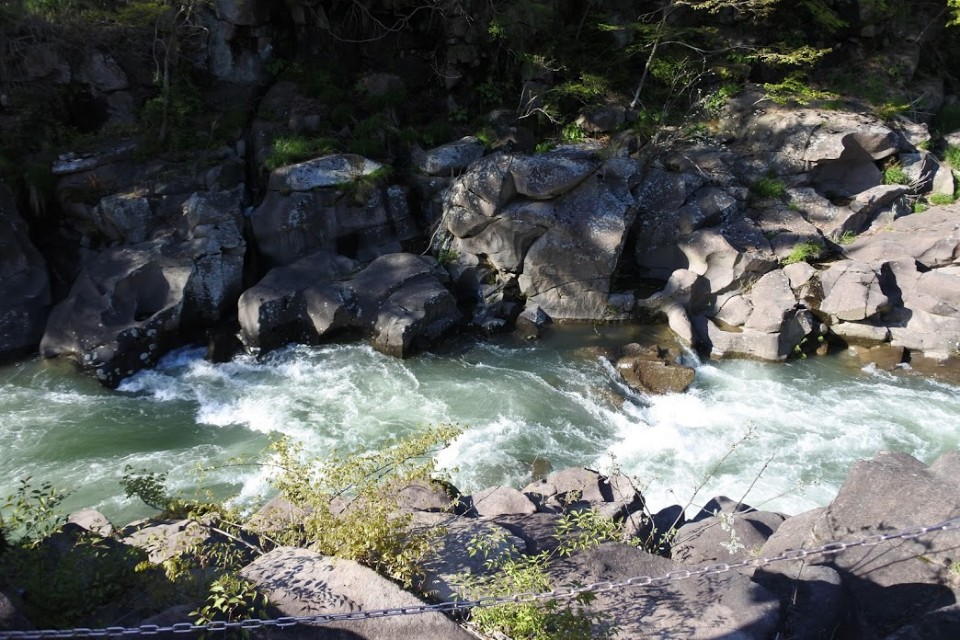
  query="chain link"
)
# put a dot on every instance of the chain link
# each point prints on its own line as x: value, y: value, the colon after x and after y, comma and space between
x: 462, y: 606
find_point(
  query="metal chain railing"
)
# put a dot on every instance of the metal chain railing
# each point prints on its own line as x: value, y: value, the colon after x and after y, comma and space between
x: 830, y: 548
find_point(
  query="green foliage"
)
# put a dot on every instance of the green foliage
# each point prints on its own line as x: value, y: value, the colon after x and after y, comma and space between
x: 795, y: 88
x: 940, y: 199
x: 291, y: 149
x: 447, y: 256
x: 572, y: 132
x: 64, y: 578
x: 768, y: 187
x: 360, y: 189
x: 230, y: 599
x: 514, y: 572
x: 350, y: 502
x: 848, y: 237
x: 952, y: 156
x: 919, y: 207
x: 31, y: 514
x: 894, y: 174
x: 804, y: 252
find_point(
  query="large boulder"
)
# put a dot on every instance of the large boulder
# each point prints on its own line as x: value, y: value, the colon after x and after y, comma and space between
x: 896, y: 582
x: 301, y: 582
x: 331, y: 203
x: 300, y: 302
x: 399, y: 299
x: 131, y: 304
x: 592, y: 220
x: 727, y: 605
x: 450, y: 158
x: 852, y: 292
x: 532, y: 219
x: 24, y: 285
x: 654, y: 370
x: 901, y: 284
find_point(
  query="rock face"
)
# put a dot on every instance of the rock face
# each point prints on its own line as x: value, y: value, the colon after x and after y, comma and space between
x: 722, y: 227
x: 552, y: 225
x: 131, y: 304
x: 331, y: 203
x: 899, y: 581
x: 300, y: 582
x: 24, y: 285
x: 722, y: 606
x: 398, y: 299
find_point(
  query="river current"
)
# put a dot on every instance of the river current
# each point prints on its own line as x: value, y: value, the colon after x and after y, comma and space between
x: 798, y: 426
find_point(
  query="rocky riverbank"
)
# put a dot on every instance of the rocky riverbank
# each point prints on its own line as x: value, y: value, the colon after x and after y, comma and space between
x: 770, y: 229
x: 906, y: 587
x: 828, y: 254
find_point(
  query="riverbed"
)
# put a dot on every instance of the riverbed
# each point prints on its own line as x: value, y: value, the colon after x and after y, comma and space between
x: 779, y: 436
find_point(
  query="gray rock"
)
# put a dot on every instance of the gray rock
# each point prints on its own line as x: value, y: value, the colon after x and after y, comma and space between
x: 130, y: 304
x: 811, y: 598
x: 326, y: 171
x: 103, y: 73
x: 301, y: 302
x: 719, y: 606
x: 24, y: 284
x: 431, y: 496
x: 729, y: 538
x: 447, y: 568
x: 654, y: 370
x: 414, y: 317
x: 772, y: 300
x: 932, y: 239
x: 846, y: 135
x: 11, y: 619
x: 243, y: 12
x: 165, y: 540
x: 895, y: 582
x: 714, y: 254
x: 602, y: 119
x: 551, y: 174
x: 289, y: 226
x: 300, y: 582
x: 941, y: 624
x: 500, y: 501
x: 399, y: 299
x: 852, y: 292
x: 449, y: 159
x: 593, y: 219
x: 93, y: 521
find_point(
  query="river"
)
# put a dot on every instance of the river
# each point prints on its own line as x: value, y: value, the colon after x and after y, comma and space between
x: 798, y: 426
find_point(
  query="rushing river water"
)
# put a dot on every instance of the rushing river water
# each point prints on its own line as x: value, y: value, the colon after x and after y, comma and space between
x: 801, y: 424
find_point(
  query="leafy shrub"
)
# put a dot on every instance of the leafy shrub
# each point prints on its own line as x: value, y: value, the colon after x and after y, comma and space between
x: 514, y: 572
x: 65, y: 578
x: 350, y: 503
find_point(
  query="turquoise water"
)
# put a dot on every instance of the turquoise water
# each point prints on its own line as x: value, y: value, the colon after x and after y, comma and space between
x: 801, y: 424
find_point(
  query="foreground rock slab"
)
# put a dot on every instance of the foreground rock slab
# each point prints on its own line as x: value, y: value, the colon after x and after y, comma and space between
x: 300, y: 582
x: 726, y: 606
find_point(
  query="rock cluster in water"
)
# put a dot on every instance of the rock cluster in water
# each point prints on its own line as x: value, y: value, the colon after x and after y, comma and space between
x: 897, y: 589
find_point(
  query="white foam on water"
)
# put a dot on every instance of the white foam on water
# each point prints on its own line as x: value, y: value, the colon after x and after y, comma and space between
x: 808, y: 420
